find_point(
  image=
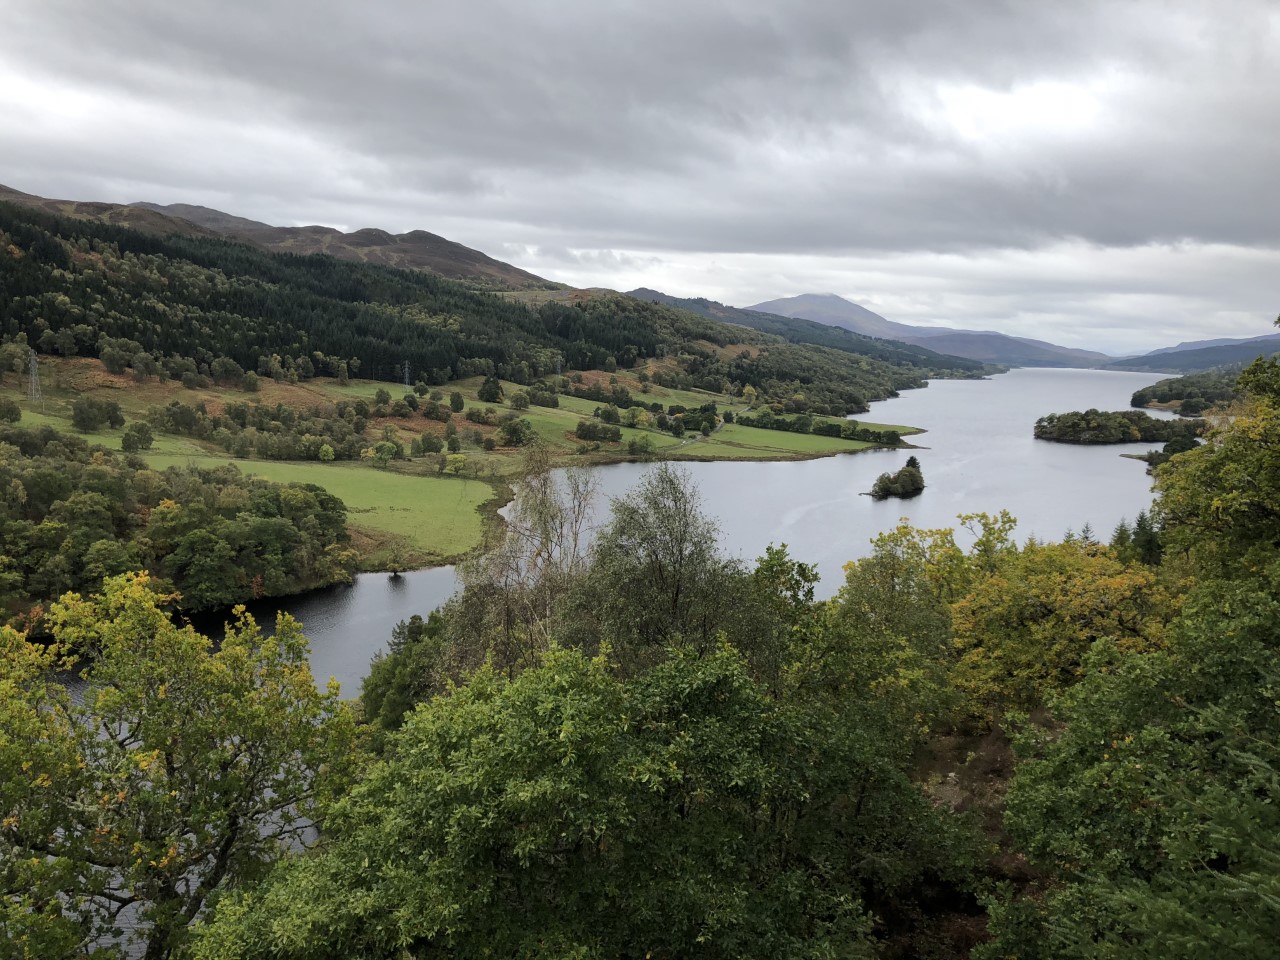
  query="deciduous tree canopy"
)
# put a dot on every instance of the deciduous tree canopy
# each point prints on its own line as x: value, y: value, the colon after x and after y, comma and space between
x: 71, y: 514
x: 176, y: 772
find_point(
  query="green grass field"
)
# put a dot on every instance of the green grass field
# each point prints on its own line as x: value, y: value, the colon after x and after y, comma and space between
x: 357, y: 389
x: 108, y: 438
x: 439, y: 516
x: 577, y: 406
x: 901, y: 428
x: 734, y: 442
x: 409, y: 512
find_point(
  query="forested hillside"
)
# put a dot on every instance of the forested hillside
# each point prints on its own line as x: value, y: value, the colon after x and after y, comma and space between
x: 1204, y: 358
x: 207, y: 307
x: 417, y: 249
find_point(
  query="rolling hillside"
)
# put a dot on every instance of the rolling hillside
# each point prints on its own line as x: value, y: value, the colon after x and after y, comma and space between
x: 138, y: 218
x: 199, y: 307
x: 416, y: 250
x: 1219, y: 342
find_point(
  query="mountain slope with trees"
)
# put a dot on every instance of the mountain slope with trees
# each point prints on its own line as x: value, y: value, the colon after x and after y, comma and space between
x: 212, y: 308
x: 121, y: 215
x: 415, y: 250
x: 1215, y: 342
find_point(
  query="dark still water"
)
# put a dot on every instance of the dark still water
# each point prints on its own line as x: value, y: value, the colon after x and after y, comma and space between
x: 978, y: 455
x: 348, y: 625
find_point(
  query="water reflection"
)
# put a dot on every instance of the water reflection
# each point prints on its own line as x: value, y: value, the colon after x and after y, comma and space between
x: 348, y: 625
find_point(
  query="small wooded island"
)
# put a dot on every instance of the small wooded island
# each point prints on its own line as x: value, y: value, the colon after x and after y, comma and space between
x: 1122, y: 426
x: 906, y: 483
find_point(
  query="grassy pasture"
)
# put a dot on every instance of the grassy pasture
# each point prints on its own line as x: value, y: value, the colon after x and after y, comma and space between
x: 409, y: 513
x: 438, y: 516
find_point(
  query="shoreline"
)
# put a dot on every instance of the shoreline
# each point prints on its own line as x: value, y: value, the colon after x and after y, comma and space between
x: 490, y: 511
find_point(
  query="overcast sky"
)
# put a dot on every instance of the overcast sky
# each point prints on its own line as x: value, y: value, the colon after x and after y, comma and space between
x: 1104, y: 175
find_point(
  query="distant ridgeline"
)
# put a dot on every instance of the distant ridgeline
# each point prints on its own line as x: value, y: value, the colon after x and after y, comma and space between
x: 800, y: 330
x: 1122, y: 426
x: 1215, y: 356
x: 1194, y: 393
x: 201, y: 309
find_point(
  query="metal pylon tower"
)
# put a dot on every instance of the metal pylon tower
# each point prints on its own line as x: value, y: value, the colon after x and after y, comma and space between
x: 33, y: 382
x: 406, y: 374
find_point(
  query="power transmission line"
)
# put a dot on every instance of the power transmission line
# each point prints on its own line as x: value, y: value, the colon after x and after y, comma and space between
x: 33, y: 381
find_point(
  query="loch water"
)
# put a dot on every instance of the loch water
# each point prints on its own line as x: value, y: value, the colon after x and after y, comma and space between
x: 977, y: 454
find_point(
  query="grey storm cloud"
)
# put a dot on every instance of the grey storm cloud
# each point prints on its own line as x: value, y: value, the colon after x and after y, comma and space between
x: 743, y: 142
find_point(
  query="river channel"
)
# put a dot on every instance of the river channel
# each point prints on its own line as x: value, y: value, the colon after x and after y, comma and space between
x: 978, y: 454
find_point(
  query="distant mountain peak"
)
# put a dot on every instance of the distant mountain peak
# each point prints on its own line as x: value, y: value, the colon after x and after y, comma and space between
x: 835, y: 310
x: 802, y: 330
x: 984, y: 345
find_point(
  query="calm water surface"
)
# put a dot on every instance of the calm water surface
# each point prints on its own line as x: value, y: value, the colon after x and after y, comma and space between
x: 978, y: 455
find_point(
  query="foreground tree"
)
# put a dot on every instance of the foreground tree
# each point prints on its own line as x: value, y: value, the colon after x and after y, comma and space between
x: 1003, y: 626
x: 1153, y: 813
x: 1220, y: 504
x: 1152, y: 808
x: 178, y: 773
x: 657, y: 574
x: 573, y: 812
x: 1024, y: 631
x: 897, y: 602
x: 415, y: 668
x: 513, y: 587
